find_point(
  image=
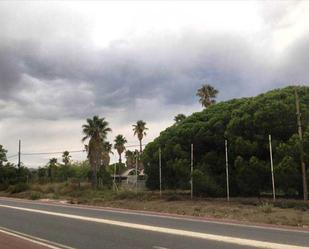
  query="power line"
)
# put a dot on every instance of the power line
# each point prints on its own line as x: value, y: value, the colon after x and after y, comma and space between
x: 49, y: 153
x: 135, y: 145
x: 12, y: 156
x: 60, y: 152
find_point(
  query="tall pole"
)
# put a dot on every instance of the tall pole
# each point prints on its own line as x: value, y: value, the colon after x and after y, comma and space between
x: 303, y: 165
x: 19, y: 148
x: 160, y: 173
x: 191, y: 182
x: 272, y: 168
x: 115, y: 170
x: 227, y: 173
x: 136, y: 171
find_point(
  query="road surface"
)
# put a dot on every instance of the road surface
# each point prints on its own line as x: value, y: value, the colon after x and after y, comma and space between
x: 69, y: 226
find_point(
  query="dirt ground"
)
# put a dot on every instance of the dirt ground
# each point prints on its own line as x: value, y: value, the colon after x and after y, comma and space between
x: 253, y: 210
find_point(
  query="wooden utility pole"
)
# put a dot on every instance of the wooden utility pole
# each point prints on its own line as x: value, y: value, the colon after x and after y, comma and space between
x: 272, y: 168
x: 160, y: 174
x: 191, y: 181
x: 300, y: 134
x: 227, y: 173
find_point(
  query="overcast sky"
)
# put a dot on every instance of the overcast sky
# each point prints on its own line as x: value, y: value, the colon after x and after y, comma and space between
x: 62, y: 62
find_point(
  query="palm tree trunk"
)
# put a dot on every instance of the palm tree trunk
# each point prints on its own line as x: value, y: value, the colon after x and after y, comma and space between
x: 93, y: 159
x: 119, y: 158
x: 140, y: 146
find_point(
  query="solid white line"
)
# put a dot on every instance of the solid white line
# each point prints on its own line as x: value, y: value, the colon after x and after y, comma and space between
x: 178, y: 232
x: 144, y: 213
x: 33, y: 239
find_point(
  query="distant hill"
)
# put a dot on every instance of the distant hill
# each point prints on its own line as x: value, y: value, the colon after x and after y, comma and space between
x: 246, y: 124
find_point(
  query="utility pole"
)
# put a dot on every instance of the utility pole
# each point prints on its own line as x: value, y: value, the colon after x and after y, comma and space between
x: 114, y: 181
x: 300, y: 133
x: 272, y: 168
x: 19, y: 148
x: 191, y: 181
x: 136, y: 170
x: 160, y: 174
x: 227, y: 173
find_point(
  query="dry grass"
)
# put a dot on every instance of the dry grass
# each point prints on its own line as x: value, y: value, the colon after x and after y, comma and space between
x: 282, y: 212
x: 219, y: 209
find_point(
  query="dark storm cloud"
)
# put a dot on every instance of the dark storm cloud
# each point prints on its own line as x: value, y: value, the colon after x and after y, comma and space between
x: 51, y: 77
x: 55, y: 75
x: 118, y: 75
x: 10, y: 71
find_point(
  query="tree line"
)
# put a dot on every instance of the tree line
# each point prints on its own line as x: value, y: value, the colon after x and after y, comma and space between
x: 246, y: 124
x: 97, y: 165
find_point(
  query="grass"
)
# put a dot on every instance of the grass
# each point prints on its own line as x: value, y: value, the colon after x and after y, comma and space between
x: 281, y: 212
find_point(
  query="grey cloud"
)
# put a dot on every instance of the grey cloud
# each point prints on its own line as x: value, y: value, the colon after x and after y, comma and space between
x: 10, y: 71
x: 294, y: 63
x: 71, y: 80
x: 51, y: 74
x: 51, y: 78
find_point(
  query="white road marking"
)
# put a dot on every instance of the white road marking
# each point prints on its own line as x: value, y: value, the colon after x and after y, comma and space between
x: 33, y: 239
x: 159, y: 247
x: 144, y: 213
x: 178, y: 232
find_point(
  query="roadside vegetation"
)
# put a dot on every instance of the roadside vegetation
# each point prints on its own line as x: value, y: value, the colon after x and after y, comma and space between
x: 253, y: 210
x: 245, y: 123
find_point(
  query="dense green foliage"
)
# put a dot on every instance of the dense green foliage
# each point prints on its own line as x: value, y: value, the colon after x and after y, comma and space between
x: 15, y: 179
x: 246, y: 124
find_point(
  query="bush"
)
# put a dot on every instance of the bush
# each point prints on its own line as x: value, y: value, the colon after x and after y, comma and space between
x: 300, y: 205
x: 122, y: 195
x: 17, y: 188
x: 204, y: 184
x: 35, y: 195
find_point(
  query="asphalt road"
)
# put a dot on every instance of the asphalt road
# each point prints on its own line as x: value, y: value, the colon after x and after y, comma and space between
x: 71, y: 226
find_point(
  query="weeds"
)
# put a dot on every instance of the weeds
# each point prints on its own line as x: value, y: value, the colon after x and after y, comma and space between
x: 266, y: 207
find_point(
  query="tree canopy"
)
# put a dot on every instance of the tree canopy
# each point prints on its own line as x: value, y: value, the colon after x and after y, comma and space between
x: 246, y: 124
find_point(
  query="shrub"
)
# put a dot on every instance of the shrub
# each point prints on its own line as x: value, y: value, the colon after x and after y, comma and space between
x: 204, y: 184
x: 300, y: 205
x: 17, y: 188
x: 35, y: 195
x: 266, y: 207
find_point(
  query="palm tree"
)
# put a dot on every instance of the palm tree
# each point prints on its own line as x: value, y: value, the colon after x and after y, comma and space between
x: 107, y: 149
x: 179, y: 118
x: 207, y: 95
x: 66, y: 158
x: 140, y: 130
x: 52, y: 164
x: 96, y: 131
x: 120, y: 141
